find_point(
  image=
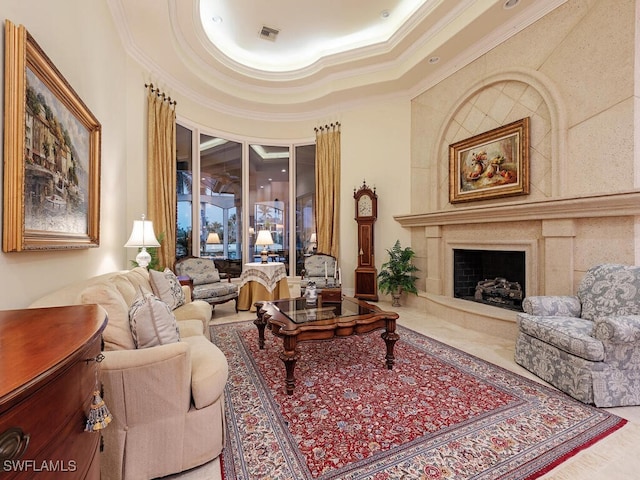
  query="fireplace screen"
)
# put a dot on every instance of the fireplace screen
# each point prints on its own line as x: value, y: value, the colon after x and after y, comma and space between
x: 492, y: 277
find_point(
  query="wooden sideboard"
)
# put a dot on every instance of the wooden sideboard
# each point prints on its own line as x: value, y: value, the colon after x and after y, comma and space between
x: 47, y: 379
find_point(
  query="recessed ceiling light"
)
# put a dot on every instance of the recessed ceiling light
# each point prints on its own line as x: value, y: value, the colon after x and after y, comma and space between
x: 384, y: 14
x: 511, y: 3
x: 217, y: 19
x: 284, y: 170
x: 433, y: 60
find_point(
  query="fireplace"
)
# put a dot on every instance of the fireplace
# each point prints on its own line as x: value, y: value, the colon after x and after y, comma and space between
x: 493, y: 277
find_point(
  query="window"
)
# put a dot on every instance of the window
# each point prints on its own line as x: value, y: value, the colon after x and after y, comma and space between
x: 184, y: 189
x: 220, y: 198
x: 225, y: 215
x: 305, y: 203
x: 269, y: 198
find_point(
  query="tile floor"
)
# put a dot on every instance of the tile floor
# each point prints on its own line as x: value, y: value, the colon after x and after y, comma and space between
x: 615, y: 457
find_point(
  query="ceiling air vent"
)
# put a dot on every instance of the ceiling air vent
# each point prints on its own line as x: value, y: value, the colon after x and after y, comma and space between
x: 269, y: 33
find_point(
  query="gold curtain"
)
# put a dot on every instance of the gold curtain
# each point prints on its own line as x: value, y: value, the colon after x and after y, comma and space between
x: 328, y: 189
x: 161, y: 172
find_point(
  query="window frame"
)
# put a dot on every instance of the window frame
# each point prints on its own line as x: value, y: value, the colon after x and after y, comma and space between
x: 245, y: 141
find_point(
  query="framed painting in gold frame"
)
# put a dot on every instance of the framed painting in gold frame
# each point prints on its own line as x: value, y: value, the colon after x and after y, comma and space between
x: 51, y: 154
x: 490, y: 165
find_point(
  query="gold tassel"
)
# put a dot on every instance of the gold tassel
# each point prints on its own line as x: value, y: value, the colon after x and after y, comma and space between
x: 99, y: 415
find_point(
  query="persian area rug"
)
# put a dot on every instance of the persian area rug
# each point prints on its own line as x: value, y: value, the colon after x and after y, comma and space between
x: 439, y: 414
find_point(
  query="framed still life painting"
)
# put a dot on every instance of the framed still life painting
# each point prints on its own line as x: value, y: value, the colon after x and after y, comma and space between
x: 490, y: 165
x: 51, y: 154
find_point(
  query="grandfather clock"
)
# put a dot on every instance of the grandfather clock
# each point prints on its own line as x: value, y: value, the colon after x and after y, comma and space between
x: 366, y: 214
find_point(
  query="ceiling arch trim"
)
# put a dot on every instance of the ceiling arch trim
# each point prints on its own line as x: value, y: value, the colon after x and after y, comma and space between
x: 305, y: 57
x: 364, y: 65
x: 185, y: 65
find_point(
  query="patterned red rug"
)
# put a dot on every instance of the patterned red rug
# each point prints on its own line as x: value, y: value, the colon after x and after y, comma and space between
x: 439, y: 414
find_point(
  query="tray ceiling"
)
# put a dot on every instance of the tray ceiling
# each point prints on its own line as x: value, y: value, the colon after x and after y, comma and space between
x: 288, y: 59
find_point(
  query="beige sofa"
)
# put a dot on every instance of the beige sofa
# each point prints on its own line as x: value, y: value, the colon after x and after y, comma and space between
x: 167, y: 401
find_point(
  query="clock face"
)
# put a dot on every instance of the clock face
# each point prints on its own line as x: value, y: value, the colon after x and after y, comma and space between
x: 365, y: 208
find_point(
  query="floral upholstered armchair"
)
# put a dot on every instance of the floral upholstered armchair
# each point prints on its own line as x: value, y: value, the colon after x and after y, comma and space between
x: 322, y: 269
x: 587, y: 345
x: 206, y: 282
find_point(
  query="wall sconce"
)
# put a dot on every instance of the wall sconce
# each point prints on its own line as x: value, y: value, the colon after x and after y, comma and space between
x: 142, y: 236
x: 264, y: 239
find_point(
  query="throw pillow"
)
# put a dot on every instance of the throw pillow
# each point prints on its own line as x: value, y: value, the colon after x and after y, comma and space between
x: 167, y: 288
x: 117, y: 333
x: 152, y: 322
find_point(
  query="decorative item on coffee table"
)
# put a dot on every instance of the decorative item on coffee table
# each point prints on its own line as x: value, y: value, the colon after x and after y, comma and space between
x: 322, y: 270
x: 397, y: 275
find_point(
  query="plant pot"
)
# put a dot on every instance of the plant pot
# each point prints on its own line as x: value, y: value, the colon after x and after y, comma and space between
x: 396, y: 299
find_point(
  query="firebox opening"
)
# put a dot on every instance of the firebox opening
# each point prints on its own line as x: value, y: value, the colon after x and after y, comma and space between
x: 492, y: 277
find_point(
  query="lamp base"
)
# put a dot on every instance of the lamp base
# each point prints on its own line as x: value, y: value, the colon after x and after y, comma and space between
x: 143, y: 258
x: 264, y: 256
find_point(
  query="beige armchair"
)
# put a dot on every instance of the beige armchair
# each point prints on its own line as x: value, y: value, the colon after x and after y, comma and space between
x: 168, y: 409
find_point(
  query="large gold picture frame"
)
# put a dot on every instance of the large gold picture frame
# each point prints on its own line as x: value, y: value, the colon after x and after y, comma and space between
x: 490, y: 165
x: 51, y: 154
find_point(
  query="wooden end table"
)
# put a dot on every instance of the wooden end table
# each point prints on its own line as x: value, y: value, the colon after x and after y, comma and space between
x: 295, y: 321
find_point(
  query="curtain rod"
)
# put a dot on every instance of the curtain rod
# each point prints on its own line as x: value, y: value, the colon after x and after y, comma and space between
x: 327, y: 127
x: 160, y: 94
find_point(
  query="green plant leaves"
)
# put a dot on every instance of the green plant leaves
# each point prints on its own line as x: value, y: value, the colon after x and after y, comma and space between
x: 397, y: 274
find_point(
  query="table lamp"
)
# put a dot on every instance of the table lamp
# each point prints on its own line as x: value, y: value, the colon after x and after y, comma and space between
x: 264, y: 239
x: 213, y: 238
x: 142, y: 236
x: 313, y: 241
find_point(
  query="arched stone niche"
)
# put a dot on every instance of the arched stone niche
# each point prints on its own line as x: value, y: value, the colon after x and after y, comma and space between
x: 499, y: 100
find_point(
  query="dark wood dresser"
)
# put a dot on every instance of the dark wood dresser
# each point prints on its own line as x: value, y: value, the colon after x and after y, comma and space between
x: 47, y: 379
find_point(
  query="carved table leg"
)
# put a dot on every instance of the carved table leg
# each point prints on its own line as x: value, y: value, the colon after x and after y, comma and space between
x: 260, y: 322
x: 289, y: 356
x: 390, y: 338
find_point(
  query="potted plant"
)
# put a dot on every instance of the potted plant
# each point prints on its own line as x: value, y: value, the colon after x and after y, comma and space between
x: 397, y: 275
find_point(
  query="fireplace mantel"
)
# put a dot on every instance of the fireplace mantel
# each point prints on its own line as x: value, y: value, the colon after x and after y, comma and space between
x: 610, y: 205
x: 559, y: 237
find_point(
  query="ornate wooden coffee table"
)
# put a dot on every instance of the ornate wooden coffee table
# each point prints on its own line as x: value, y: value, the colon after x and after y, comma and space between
x: 295, y: 321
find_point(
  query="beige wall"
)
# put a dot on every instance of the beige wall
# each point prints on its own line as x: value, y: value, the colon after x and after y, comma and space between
x: 397, y: 146
x: 81, y: 40
x: 573, y: 74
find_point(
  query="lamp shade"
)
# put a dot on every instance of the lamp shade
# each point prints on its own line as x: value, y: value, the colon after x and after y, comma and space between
x: 142, y: 234
x: 213, y: 237
x: 264, y: 238
x: 314, y: 238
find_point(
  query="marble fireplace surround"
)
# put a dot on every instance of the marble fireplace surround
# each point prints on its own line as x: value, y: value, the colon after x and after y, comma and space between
x: 545, y: 230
